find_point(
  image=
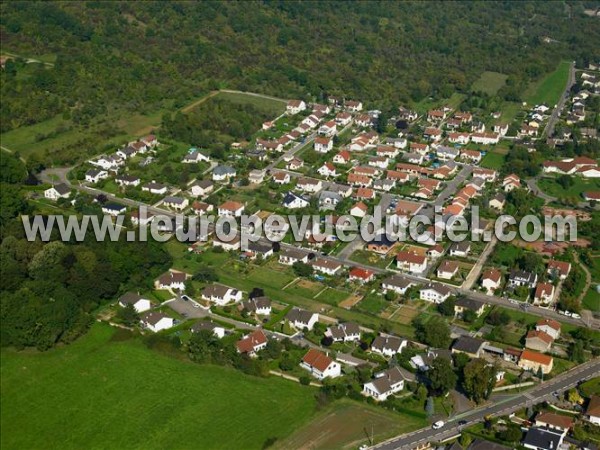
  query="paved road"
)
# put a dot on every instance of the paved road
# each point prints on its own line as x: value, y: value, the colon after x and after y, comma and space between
x: 542, y: 392
x: 533, y: 187
x: 549, y: 129
x: 452, y: 185
x: 476, y: 270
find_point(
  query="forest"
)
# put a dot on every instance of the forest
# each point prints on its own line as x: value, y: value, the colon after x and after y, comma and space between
x: 146, y: 56
x: 50, y: 291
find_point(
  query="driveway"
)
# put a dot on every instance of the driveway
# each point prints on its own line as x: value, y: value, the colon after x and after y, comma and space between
x: 186, y: 308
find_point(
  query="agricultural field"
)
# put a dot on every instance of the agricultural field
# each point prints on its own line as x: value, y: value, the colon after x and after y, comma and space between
x: 117, y: 393
x: 489, y: 83
x: 348, y: 424
x: 549, y: 89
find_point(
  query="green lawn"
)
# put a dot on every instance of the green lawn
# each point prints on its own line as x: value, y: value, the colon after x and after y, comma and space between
x: 549, y: 89
x: 373, y: 304
x: 493, y: 160
x: 271, y: 105
x: 489, y: 82
x: 591, y: 300
x: 106, y: 393
x: 551, y: 187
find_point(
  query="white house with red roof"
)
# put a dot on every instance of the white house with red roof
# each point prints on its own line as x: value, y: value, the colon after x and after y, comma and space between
x: 560, y: 269
x: 295, y: 106
x: 412, y: 262
x: 549, y: 326
x: 252, y: 343
x: 327, y: 170
x: 320, y: 365
x: 544, y: 294
x: 342, y: 157
x: 361, y: 275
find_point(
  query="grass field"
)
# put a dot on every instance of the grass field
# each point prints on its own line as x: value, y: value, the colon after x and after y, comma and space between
x: 492, y: 160
x: 489, y: 82
x: 551, y: 187
x: 549, y: 89
x: 104, y: 393
x: 346, y: 424
x: 270, y: 105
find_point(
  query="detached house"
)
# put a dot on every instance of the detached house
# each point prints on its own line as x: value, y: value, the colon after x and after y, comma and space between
x: 538, y: 340
x: 327, y: 170
x: 544, y: 294
x: 397, y: 284
x: 463, y: 304
x: 281, y: 178
x: 301, y: 319
x: 326, y: 266
x: 447, y: 270
x: 221, y: 295
x: 295, y: 106
x: 342, y: 157
x: 178, y: 203
x: 58, y: 191
x: 171, y: 280
x: 411, y: 262
x: 385, y: 383
x: 522, y: 278
x: 344, y: 332
x: 323, y: 144
x: 388, y: 346
x: 549, y: 326
x: 223, y: 173
x: 215, y: 329
x: 435, y: 292
x: 231, y: 208
x: 560, y: 269
x: 252, y: 343
x: 361, y: 275
x: 320, y: 365
x: 289, y: 256
x: 353, y: 106
x: 139, y: 303
x: 309, y: 185
x: 534, y: 361
x: 491, y: 280
x: 95, y: 175
x: 156, y: 321
x: 201, y: 188
x: 468, y: 345
x: 294, y: 201
x: 155, y: 188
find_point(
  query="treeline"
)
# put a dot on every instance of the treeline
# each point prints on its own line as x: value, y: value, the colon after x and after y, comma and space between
x: 141, y: 56
x: 49, y: 291
x: 214, y: 122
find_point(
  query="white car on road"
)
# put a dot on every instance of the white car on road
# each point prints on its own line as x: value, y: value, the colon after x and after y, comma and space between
x: 439, y: 424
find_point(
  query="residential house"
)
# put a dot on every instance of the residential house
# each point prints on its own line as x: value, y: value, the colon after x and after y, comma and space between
x: 411, y: 262
x: 309, y: 185
x: 57, y: 191
x: 155, y: 188
x: 549, y: 326
x: 215, y: 329
x: 459, y: 138
x: 544, y: 294
x: 522, y: 278
x: 538, y: 340
x: 559, y: 269
x: 435, y: 252
x: 231, y: 208
x: 231, y: 244
x: 384, y: 185
x: 491, y: 280
x: 413, y: 158
x: 435, y: 292
x: 289, y: 256
x: 223, y: 173
x: 202, y: 208
x: 301, y: 319
x: 421, y: 149
x: 463, y: 304
x: 171, y: 280
x: 328, y: 129
x: 178, y: 203
x: 534, y: 361
x: 447, y: 153
x: 433, y: 134
x: 388, y: 346
x: 200, y: 188
x: 485, y: 138
x: 329, y: 200
x: 471, y: 346
x: 195, y: 156
x: 256, y: 176
x: 361, y: 275
x: 380, y: 244
x: 342, y: 157
x: 295, y: 164
x: 385, y: 383
x: 221, y: 295
x: 139, y: 303
x: 359, y: 180
x: 397, y: 284
x: 592, y: 412
x: 473, y: 156
x: 343, y: 119
x: 359, y: 209
x: 543, y: 439
x: 156, y: 321
x: 323, y: 144
x: 554, y: 421
x: 113, y: 209
x: 95, y: 175
x: 511, y: 182
x: 326, y: 266
x: 327, y: 170
x: 252, y: 343
x: 292, y: 200
x: 281, y: 178
x: 320, y: 365
x: 497, y: 202
x: 460, y: 249
x: 447, y: 270
x: 353, y: 106
x: 295, y: 106
x: 344, y: 332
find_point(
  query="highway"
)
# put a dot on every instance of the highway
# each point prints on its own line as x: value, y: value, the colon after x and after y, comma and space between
x: 538, y: 394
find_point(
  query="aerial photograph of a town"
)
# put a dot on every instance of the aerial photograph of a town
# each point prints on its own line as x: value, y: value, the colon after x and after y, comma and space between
x: 287, y: 224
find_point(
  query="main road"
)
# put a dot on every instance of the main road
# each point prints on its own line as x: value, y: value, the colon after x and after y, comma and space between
x: 538, y: 394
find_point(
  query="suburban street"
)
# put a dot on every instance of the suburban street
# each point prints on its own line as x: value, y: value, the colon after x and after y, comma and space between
x: 549, y: 129
x: 542, y: 392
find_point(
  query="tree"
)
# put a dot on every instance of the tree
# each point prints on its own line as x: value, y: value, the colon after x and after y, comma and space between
x: 205, y: 273
x: 302, y: 269
x: 446, y: 308
x: 576, y: 352
x: 469, y: 316
x: 434, y: 332
x: 304, y: 380
x: 511, y: 433
x: 479, y: 377
x: 497, y: 317
x: 128, y: 315
x: 441, y: 376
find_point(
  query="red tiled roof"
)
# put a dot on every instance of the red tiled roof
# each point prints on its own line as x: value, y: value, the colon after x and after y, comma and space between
x: 536, y: 357
x: 317, y: 359
x: 250, y: 342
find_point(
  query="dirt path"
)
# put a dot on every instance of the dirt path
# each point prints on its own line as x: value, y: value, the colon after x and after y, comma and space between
x: 588, y: 278
x: 198, y: 102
